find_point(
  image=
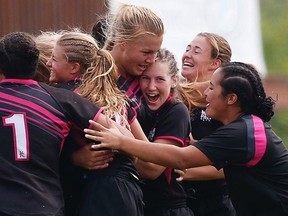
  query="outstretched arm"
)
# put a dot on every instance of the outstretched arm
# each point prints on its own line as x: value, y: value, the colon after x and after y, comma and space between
x: 200, y: 173
x: 165, y: 155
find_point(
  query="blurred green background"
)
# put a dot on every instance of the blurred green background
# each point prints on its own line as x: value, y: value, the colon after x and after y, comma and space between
x: 274, y: 26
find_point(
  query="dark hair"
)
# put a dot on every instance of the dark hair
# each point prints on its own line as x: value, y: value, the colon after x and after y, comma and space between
x: 18, y: 55
x: 244, y: 80
x: 98, y: 32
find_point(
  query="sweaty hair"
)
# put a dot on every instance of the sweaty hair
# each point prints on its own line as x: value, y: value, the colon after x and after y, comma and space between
x: 167, y: 57
x: 243, y: 80
x: 99, y: 74
x: 220, y: 47
x: 18, y: 55
x: 45, y: 43
x: 130, y: 22
x: 192, y: 94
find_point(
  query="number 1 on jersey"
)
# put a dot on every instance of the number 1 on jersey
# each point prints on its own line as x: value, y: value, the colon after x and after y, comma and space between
x: 21, y: 142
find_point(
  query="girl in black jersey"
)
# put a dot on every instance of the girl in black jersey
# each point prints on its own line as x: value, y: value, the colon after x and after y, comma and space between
x: 254, y: 158
x: 77, y: 54
x: 164, y: 120
x: 70, y: 59
x: 134, y: 34
x: 206, y: 186
x: 35, y: 120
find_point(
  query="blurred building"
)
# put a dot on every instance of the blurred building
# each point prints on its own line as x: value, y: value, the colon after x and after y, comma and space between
x: 33, y: 16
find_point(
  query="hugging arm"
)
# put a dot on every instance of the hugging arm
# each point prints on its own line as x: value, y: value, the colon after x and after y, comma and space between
x: 200, y: 173
x: 88, y: 158
x: 165, y: 155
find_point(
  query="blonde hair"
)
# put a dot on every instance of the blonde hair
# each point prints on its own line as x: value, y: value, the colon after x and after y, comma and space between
x: 192, y: 94
x: 130, y: 22
x: 45, y: 43
x: 99, y: 74
x: 220, y: 46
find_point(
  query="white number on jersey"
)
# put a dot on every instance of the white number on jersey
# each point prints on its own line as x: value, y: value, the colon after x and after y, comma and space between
x: 20, y: 135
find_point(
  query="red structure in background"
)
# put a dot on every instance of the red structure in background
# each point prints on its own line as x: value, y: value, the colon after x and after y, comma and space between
x: 33, y: 16
x: 277, y: 88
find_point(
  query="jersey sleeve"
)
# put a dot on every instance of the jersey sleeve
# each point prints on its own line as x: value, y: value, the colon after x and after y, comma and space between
x: 77, y: 109
x: 227, y: 145
x: 175, y: 125
x: 132, y: 114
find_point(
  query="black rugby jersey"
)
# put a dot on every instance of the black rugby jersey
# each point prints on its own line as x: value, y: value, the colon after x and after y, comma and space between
x: 133, y: 91
x: 171, y: 122
x: 255, y: 163
x: 35, y: 119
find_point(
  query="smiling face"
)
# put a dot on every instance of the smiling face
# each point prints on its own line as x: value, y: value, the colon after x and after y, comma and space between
x: 136, y: 55
x: 60, y: 69
x: 156, y: 84
x: 197, y: 63
x: 216, y: 102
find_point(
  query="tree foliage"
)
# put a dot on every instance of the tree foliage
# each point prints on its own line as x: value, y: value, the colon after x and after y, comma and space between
x: 274, y: 25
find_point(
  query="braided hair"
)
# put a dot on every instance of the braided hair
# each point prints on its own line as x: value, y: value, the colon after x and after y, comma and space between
x: 99, y: 74
x: 244, y: 80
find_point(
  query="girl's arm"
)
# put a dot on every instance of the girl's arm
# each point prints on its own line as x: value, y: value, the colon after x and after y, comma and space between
x: 88, y: 158
x: 146, y: 169
x: 165, y: 155
x: 200, y: 173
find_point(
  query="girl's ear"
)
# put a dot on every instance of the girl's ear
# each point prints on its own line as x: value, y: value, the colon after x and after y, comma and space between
x: 216, y: 64
x: 75, y: 67
x: 232, y: 98
x: 122, y: 46
x: 175, y: 81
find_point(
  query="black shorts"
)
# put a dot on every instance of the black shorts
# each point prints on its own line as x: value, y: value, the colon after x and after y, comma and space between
x: 112, y: 195
x: 183, y: 211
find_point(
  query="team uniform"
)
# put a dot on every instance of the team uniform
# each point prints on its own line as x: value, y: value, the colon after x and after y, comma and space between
x: 71, y: 84
x: 165, y: 196
x: 207, y: 198
x: 252, y: 163
x: 133, y: 91
x: 36, y: 119
x: 114, y: 190
x: 96, y: 191
x: 72, y: 177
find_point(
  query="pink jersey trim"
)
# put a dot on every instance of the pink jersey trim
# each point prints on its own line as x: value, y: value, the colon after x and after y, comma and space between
x: 260, y: 141
x: 134, y: 117
x: 171, y: 138
x: 41, y: 111
x: 21, y: 81
x: 96, y: 116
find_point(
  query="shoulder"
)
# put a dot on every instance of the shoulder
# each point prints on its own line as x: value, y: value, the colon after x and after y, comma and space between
x: 58, y: 93
x: 67, y: 98
x: 178, y: 108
